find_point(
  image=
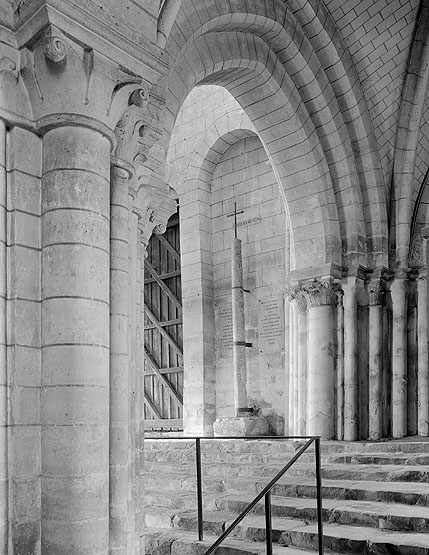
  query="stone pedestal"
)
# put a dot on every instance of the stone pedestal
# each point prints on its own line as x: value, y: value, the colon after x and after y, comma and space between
x: 241, y: 426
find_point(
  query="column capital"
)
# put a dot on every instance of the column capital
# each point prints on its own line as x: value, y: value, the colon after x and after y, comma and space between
x: 358, y: 271
x: 376, y: 291
x: 157, y: 204
x: 8, y: 68
x: 321, y: 293
x: 296, y: 294
x: 65, y: 75
x: 400, y: 273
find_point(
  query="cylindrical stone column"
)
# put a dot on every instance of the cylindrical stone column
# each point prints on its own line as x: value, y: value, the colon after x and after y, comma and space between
x: 375, y: 362
x: 292, y: 366
x: 75, y: 341
x: 134, y: 242
x: 340, y: 369
x: 423, y: 360
x: 119, y: 316
x: 322, y: 300
x: 140, y: 416
x: 302, y: 367
x: 3, y: 355
x: 238, y: 330
x: 399, y: 358
x: 350, y: 361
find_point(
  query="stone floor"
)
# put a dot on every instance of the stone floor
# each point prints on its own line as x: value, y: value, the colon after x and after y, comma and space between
x: 375, y: 497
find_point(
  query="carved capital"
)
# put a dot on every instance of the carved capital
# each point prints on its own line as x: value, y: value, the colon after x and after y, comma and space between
x: 401, y: 273
x: 158, y: 204
x: 321, y: 293
x: 137, y: 212
x: 376, y: 291
x: 417, y: 254
x: 139, y: 98
x: 8, y: 68
x: 63, y: 75
x: 131, y: 126
x: 296, y: 294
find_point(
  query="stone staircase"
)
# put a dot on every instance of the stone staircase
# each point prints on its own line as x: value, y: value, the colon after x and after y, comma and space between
x: 375, y: 497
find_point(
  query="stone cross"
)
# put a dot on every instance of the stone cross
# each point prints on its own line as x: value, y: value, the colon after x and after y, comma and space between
x: 235, y: 213
x: 238, y: 326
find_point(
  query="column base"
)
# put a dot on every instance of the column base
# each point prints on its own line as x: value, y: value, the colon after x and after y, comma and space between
x: 241, y: 426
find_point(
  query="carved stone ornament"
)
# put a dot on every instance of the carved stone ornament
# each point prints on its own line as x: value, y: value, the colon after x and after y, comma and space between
x: 160, y: 228
x: 401, y: 273
x: 139, y: 98
x: 55, y: 49
x: 376, y: 292
x: 128, y: 128
x: 321, y: 293
x: 417, y: 252
x: 8, y: 67
x: 296, y: 294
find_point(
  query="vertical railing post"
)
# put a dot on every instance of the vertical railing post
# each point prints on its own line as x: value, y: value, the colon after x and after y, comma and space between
x: 199, y: 489
x: 268, y: 526
x: 319, y: 495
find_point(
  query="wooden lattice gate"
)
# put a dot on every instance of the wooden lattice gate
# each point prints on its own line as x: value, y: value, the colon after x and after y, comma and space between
x: 163, y: 382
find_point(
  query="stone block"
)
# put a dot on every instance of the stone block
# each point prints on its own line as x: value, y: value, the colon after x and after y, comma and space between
x: 25, y: 154
x: 244, y: 426
x: 65, y: 364
x: 24, y: 192
x: 62, y: 263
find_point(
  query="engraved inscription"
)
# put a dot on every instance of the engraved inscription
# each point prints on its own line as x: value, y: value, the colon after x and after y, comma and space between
x: 224, y: 329
x: 271, y: 326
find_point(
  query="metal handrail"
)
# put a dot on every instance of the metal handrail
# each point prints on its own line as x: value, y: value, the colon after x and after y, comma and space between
x: 266, y: 492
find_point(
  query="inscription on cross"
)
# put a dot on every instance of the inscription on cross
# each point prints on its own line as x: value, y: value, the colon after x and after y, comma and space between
x: 235, y: 214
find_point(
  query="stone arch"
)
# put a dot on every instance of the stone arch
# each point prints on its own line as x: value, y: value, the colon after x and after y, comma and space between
x: 192, y: 181
x: 413, y: 99
x: 343, y: 146
x: 226, y: 130
x: 306, y: 164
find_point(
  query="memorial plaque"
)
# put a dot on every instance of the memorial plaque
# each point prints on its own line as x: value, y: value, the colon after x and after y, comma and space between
x: 271, y: 325
x: 224, y: 329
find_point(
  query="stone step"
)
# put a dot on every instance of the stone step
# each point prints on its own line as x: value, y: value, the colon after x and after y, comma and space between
x: 386, y: 472
x: 404, y: 459
x: 290, y: 532
x: 383, y: 516
x: 174, y: 542
x: 274, y: 447
x: 188, y: 459
x: 410, y: 493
